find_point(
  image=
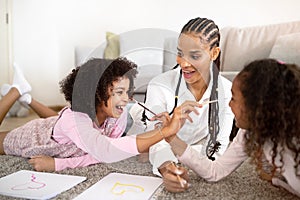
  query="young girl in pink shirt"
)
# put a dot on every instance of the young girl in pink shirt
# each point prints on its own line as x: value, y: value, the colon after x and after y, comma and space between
x: 266, y: 104
x: 89, y: 130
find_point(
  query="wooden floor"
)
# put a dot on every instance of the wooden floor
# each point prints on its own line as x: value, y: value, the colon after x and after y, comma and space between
x: 10, y: 123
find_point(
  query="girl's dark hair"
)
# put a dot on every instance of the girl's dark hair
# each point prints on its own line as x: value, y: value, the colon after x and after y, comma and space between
x: 209, y: 33
x: 117, y: 68
x: 271, y: 92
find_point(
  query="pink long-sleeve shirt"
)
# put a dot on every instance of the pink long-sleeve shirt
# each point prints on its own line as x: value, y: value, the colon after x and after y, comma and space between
x: 233, y: 157
x: 73, y: 139
x: 103, y: 144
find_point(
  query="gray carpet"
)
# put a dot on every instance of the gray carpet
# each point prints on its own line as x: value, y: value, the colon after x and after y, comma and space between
x: 242, y: 184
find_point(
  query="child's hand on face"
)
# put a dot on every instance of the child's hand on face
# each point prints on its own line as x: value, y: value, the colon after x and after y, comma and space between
x: 42, y: 163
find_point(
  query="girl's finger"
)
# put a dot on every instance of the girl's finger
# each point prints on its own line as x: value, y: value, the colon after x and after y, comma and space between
x: 189, y: 118
x: 172, y: 181
x: 160, y: 116
x: 188, y: 109
x: 192, y: 103
x: 192, y: 109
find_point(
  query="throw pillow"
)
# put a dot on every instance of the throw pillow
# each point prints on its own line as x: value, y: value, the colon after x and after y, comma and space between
x: 112, y: 49
x: 286, y: 48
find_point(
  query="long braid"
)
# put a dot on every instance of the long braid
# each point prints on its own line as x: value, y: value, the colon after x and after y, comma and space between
x: 209, y: 32
x: 213, y: 120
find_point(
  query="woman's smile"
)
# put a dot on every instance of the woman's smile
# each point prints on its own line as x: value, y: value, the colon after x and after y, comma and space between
x: 188, y: 74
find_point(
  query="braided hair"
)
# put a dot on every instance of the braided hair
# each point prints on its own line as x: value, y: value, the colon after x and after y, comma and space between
x: 209, y: 33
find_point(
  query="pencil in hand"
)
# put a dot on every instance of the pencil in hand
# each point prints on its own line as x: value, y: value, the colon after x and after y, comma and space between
x: 181, y: 180
x: 208, y: 102
x: 139, y: 103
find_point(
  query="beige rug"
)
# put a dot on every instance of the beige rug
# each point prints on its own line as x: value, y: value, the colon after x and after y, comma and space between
x: 242, y: 184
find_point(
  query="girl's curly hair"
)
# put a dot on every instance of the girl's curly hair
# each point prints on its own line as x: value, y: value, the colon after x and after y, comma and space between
x: 271, y: 92
x: 117, y: 68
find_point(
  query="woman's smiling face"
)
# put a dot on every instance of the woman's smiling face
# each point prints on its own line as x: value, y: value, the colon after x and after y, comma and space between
x: 194, y: 57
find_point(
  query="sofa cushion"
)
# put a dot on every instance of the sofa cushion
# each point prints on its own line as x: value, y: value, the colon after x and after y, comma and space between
x: 82, y: 54
x: 287, y: 48
x: 145, y: 47
x: 98, y: 52
x: 240, y: 46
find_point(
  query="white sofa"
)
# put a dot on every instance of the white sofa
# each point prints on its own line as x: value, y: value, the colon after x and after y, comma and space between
x: 154, y: 50
x: 240, y: 46
x: 143, y: 46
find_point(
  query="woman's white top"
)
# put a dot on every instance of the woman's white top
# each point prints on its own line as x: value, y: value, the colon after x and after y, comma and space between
x: 161, y: 98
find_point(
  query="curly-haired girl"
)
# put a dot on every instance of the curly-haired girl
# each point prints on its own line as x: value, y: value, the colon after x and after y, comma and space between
x: 89, y: 130
x: 266, y: 104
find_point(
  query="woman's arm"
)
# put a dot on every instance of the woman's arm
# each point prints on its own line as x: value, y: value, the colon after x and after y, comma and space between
x: 160, y: 98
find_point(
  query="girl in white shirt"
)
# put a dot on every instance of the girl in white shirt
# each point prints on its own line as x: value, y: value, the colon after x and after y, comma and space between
x: 266, y: 104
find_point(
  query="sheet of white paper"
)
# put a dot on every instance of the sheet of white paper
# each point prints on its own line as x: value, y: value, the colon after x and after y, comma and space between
x: 37, y: 185
x: 122, y: 186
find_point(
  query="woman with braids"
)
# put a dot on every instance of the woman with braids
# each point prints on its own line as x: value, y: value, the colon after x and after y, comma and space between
x: 89, y: 130
x: 266, y: 104
x: 196, y: 79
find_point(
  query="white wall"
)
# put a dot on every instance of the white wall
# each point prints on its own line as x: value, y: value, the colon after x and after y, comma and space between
x: 45, y: 32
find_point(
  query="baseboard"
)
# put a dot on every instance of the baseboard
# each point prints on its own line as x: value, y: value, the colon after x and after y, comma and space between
x: 57, y: 107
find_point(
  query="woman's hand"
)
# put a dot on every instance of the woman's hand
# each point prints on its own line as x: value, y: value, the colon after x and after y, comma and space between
x: 180, y: 115
x: 163, y: 118
x: 175, y: 178
x: 42, y: 163
x: 185, y: 109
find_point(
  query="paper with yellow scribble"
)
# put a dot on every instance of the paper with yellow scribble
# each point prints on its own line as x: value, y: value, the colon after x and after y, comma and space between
x: 122, y: 186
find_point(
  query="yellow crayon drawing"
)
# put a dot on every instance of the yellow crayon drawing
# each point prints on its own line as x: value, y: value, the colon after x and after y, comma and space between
x: 121, y: 188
